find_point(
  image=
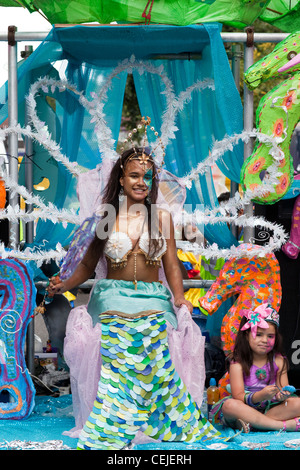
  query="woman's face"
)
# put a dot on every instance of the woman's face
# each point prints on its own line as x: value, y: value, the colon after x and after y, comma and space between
x: 137, y: 181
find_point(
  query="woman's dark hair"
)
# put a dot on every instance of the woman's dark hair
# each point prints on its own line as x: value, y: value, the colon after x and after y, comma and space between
x: 242, y: 352
x: 111, y: 197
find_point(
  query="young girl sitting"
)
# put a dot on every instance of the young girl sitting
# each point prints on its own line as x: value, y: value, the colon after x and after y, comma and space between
x: 258, y: 378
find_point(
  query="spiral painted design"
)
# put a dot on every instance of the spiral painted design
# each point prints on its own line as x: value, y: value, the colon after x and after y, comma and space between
x: 17, y: 302
x: 11, y: 322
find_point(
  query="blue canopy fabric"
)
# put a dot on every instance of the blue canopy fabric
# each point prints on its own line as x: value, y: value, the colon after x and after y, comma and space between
x: 85, y: 56
x: 209, y: 116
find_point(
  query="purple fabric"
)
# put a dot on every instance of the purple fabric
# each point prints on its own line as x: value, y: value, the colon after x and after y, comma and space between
x: 259, y: 377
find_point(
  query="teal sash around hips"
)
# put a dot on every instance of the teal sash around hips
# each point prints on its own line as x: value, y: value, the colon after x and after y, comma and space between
x: 111, y: 294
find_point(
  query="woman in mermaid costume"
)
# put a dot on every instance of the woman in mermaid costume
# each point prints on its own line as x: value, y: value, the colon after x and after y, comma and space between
x: 139, y: 388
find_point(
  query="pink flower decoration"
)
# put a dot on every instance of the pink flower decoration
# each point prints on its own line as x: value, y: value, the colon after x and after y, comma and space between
x: 256, y: 318
x: 278, y: 127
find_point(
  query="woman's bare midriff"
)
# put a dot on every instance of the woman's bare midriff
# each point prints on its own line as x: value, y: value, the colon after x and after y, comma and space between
x: 144, y: 272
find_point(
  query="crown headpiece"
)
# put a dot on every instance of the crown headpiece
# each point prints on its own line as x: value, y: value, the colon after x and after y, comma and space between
x: 273, y: 317
x: 144, y: 156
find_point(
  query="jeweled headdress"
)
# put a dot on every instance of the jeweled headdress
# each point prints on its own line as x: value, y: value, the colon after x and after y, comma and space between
x: 147, y: 154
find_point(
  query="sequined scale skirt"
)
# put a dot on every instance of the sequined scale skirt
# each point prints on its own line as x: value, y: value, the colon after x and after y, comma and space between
x: 139, y: 389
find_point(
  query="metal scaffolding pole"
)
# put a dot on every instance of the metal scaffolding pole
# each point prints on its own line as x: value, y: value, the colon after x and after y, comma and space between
x: 248, y: 119
x: 233, y: 37
x: 236, y: 62
x: 13, y: 121
x: 28, y: 161
x: 29, y: 227
x: 187, y: 284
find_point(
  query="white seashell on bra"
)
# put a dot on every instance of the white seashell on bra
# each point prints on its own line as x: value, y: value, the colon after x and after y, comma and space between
x: 144, y: 246
x: 118, y: 246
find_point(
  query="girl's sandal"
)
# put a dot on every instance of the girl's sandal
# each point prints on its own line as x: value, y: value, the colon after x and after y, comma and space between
x: 297, y: 420
x: 242, y: 426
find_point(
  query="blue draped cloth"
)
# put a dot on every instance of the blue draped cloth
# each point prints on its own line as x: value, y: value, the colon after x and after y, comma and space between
x: 122, y: 296
x: 85, y: 56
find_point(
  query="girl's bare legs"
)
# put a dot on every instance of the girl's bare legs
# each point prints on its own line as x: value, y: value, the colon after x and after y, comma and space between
x: 236, y: 409
x: 288, y: 409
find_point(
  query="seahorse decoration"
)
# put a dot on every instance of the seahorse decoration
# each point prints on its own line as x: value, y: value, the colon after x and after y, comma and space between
x: 254, y: 280
x: 277, y: 115
x: 17, y: 302
x: 292, y: 246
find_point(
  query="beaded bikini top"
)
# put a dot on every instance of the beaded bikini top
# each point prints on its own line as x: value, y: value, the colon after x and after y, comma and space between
x: 119, y: 246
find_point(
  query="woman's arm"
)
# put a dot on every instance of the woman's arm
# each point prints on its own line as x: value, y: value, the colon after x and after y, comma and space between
x: 171, y: 266
x: 82, y: 273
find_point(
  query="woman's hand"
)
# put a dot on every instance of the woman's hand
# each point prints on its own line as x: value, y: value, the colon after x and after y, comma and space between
x: 56, y: 286
x: 182, y: 301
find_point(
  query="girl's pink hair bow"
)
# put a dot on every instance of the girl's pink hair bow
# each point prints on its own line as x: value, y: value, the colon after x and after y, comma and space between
x: 257, y: 318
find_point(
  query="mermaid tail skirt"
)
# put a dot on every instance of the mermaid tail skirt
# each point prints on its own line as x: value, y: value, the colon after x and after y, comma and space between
x: 139, y: 389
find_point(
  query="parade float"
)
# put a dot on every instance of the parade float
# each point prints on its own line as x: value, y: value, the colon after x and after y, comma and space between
x: 61, y: 100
